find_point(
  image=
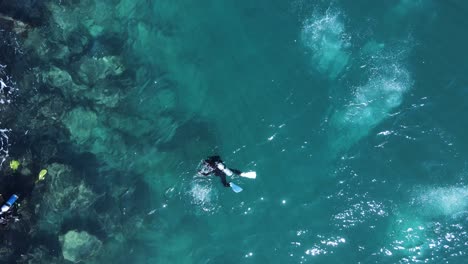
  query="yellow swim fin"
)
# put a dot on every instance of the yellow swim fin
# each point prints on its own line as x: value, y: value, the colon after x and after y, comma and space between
x: 42, y: 175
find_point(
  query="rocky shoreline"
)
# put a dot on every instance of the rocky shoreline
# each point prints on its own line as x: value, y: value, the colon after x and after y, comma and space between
x: 79, y: 104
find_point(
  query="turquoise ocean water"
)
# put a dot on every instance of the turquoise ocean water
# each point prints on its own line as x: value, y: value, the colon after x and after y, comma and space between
x: 350, y: 112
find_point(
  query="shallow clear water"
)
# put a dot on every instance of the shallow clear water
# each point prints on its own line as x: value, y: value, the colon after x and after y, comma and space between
x: 350, y: 112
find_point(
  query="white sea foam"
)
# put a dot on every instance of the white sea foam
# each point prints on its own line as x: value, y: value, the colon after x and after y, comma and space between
x: 446, y: 201
x: 431, y: 225
x: 419, y: 239
x: 323, y: 34
x: 3, y: 145
x: 203, y: 196
x: 373, y: 101
x: 6, y: 88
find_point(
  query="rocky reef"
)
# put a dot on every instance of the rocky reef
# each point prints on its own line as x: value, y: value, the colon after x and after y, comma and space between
x: 81, y: 100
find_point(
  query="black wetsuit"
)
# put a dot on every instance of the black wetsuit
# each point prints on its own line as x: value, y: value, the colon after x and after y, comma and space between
x: 211, y: 163
x: 8, y: 217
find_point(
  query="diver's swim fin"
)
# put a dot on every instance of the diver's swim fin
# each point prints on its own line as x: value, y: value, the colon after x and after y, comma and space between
x: 235, y: 188
x: 249, y: 174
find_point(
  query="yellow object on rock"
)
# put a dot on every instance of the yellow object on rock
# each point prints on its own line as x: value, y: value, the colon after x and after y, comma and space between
x: 42, y: 175
x: 14, y: 164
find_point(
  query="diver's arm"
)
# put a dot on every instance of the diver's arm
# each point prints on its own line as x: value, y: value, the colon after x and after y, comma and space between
x: 206, y: 169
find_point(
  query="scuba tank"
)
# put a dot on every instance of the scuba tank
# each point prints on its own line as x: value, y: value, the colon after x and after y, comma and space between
x: 8, y: 204
x: 227, y: 171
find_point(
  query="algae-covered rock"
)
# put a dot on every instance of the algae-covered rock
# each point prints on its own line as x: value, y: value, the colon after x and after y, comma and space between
x: 39, y: 254
x: 31, y: 11
x: 90, y: 134
x: 92, y: 69
x: 57, y: 78
x: 63, y: 21
x: 79, y: 246
x: 82, y: 124
x: 105, y: 94
x: 11, y: 24
x: 49, y: 50
x: 50, y: 110
x: 61, y: 80
x: 78, y: 41
x: 63, y: 37
x: 63, y: 196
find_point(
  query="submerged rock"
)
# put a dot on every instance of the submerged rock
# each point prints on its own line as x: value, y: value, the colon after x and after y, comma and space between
x: 63, y: 21
x: 104, y: 97
x: 79, y: 246
x: 77, y: 85
x: 28, y: 11
x: 82, y: 124
x: 61, y: 80
x: 92, y: 70
x: 12, y: 24
x: 90, y: 134
x: 39, y: 254
x: 58, y: 78
x: 47, y: 51
x: 64, y: 196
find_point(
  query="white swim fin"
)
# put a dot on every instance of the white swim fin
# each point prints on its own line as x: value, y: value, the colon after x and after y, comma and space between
x: 249, y: 174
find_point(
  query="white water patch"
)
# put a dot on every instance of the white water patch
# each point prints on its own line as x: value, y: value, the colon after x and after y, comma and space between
x: 325, y: 36
x: 203, y: 196
x: 4, y: 145
x: 7, y: 87
x: 372, y: 102
x: 431, y: 228
x: 441, y: 201
x: 418, y: 239
x: 407, y: 234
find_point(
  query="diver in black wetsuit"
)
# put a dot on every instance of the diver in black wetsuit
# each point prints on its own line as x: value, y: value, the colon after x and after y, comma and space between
x: 215, y: 165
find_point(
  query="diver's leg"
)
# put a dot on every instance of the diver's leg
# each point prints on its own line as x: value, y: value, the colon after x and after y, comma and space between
x: 238, y: 172
x: 223, y: 178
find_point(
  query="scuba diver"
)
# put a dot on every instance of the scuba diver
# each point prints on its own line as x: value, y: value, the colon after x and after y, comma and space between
x: 214, y: 165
